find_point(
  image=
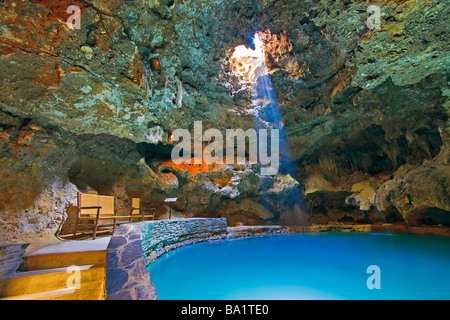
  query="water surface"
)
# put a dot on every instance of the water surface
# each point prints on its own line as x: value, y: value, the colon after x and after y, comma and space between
x: 306, y: 266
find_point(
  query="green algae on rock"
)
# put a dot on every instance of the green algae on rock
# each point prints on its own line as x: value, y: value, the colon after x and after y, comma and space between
x: 365, y: 112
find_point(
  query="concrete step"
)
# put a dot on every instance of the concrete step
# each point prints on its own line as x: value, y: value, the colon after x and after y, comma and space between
x: 83, y: 294
x: 91, y: 291
x: 46, y: 295
x: 67, y: 253
x: 60, y: 260
x: 42, y: 281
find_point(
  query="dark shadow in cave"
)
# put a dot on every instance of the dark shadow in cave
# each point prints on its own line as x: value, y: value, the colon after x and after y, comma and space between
x: 432, y: 217
x: 152, y: 152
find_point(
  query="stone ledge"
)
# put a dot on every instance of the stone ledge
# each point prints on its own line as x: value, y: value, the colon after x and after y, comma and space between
x: 250, y: 231
x: 384, y: 228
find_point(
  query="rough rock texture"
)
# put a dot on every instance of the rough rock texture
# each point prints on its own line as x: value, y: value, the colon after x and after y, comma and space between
x: 251, y: 231
x: 126, y: 275
x: 11, y: 258
x: 364, y: 112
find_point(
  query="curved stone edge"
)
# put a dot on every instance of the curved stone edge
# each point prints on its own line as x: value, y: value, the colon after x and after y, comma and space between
x: 166, y: 235
x: 134, y: 246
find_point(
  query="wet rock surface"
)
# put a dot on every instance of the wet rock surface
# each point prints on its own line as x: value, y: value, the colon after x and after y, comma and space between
x: 364, y: 112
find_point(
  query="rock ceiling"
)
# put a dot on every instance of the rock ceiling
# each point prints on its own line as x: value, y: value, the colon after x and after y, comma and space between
x: 364, y: 112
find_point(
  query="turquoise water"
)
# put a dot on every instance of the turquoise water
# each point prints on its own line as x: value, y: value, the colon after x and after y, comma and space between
x: 307, y: 266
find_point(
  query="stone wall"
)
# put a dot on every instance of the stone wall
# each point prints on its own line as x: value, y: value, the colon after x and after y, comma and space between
x: 163, y: 236
x: 11, y: 257
x: 126, y: 275
x: 248, y: 231
x: 134, y: 246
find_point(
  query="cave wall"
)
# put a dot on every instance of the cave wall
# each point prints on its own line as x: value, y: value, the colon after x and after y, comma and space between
x: 365, y: 113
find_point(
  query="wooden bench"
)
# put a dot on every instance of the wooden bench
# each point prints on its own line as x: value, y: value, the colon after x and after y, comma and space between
x: 100, y: 214
x: 139, y: 211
